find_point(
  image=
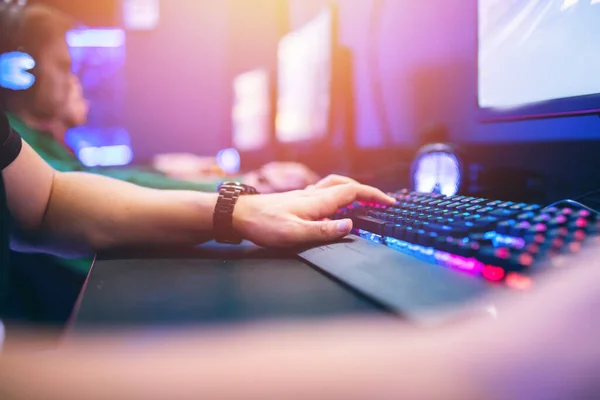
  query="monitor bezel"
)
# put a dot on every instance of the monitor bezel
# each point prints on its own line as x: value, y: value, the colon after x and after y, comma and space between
x: 555, y: 108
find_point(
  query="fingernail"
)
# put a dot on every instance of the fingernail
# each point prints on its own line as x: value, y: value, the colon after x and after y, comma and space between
x: 343, y: 226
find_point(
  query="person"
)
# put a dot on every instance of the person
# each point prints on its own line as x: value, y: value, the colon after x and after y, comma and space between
x: 44, y: 122
x: 540, y: 347
x: 44, y: 115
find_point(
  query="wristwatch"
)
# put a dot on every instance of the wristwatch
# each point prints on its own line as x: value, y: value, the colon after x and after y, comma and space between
x: 229, y: 193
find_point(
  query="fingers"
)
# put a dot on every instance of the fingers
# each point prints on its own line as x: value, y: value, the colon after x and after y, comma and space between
x: 348, y: 193
x: 333, y: 180
x: 312, y: 177
x: 324, y: 231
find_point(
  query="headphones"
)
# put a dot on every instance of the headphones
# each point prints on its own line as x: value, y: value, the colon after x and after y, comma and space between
x: 17, y: 67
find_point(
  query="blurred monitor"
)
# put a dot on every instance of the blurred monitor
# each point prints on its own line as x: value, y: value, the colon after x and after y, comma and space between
x: 538, y: 58
x: 304, y: 84
x: 252, y: 110
x: 314, y: 107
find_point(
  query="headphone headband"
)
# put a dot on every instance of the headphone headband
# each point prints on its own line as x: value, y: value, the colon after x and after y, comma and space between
x: 10, y: 18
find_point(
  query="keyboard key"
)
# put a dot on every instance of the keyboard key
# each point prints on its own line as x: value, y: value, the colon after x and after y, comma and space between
x: 532, y: 207
x: 526, y: 216
x: 388, y: 230
x: 506, y: 204
x: 519, y: 229
x: 504, y: 213
x: 399, y: 232
x: 370, y: 224
x: 504, y: 227
x: 518, y: 207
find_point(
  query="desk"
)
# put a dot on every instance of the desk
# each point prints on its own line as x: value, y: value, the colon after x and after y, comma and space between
x: 209, y: 285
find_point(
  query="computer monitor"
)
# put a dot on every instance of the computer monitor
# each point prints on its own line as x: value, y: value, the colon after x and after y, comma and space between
x: 252, y: 111
x: 538, y: 58
x: 305, y: 58
x: 310, y: 68
x: 252, y: 117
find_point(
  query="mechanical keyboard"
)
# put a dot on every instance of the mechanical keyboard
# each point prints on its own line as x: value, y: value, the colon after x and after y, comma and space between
x: 429, y: 251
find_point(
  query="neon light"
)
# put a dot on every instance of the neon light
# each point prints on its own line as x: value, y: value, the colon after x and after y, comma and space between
x: 229, y: 160
x: 105, y: 156
x: 492, y: 273
x: 502, y: 253
x: 533, y: 248
x: 575, y: 247
x: 584, y: 213
x: 465, y: 264
x: 506, y: 241
x: 541, y: 228
x: 526, y: 259
x: 539, y: 239
x: 13, y: 71
x: 518, y: 281
x: 108, y: 38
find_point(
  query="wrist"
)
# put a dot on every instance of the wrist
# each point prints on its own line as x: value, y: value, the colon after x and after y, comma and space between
x: 242, y: 216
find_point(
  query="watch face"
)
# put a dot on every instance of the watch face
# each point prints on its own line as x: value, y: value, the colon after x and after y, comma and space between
x: 246, y: 189
x: 231, y: 183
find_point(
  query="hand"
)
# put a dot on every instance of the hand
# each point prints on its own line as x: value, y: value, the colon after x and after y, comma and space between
x: 293, y: 218
x: 331, y: 180
x: 277, y: 177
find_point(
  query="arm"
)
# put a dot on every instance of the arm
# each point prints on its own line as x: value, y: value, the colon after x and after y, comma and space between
x: 94, y: 212
x: 339, y: 360
x: 544, y: 345
x: 80, y: 211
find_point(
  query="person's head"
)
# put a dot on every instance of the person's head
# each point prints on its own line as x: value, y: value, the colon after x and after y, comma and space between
x: 41, y: 33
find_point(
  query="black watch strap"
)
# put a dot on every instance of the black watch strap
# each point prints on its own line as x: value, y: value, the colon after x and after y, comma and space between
x: 229, y: 193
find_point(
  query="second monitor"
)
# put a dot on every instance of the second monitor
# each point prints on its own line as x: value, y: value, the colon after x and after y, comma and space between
x: 313, y: 123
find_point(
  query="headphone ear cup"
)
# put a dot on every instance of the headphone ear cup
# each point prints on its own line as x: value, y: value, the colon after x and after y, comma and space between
x: 10, y: 18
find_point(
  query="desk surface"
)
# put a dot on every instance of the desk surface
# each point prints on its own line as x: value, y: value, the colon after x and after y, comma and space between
x: 209, y: 285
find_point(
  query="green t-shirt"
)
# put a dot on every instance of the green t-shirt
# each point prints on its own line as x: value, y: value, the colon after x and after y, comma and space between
x: 61, y: 159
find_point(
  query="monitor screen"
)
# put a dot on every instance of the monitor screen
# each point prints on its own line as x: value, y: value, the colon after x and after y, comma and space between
x: 304, y: 81
x: 251, y: 113
x: 537, y: 54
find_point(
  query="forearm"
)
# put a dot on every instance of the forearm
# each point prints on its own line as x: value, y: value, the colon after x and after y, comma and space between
x: 100, y: 213
x: 349, y: 361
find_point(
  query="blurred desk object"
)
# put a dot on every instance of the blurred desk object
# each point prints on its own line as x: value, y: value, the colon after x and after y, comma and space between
x: 207, y: 286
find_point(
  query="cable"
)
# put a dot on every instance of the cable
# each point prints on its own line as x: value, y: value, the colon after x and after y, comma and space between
x: 588, y: 194
x: 374, y: 68
x: 572, y: 203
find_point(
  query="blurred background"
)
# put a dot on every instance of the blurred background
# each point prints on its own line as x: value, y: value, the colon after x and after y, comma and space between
x: 386, y: 77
